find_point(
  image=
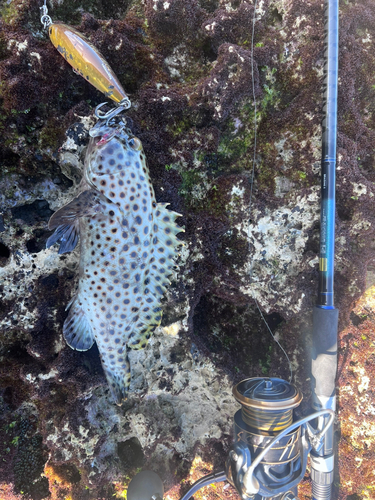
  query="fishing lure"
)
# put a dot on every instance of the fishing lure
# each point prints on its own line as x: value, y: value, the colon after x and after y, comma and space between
x: 85, y: 59
x: 128, y: 242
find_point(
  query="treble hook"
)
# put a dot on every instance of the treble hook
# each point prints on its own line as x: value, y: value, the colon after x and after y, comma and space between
x: 123, y: 106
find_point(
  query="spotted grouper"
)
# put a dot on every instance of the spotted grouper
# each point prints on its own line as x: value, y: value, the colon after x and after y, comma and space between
x: 128, y: 245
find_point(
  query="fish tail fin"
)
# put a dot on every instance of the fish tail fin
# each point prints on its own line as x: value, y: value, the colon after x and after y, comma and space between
x: 119, y: 382
x: 77, y: 329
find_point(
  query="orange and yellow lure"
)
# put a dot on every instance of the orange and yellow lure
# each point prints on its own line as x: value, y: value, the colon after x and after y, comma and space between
x: 85, y: 59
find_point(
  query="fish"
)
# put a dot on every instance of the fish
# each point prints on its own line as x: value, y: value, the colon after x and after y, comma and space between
x: 128, y: 251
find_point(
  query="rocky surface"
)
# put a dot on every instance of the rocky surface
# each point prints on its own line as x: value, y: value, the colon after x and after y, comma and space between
x: 187, y: 68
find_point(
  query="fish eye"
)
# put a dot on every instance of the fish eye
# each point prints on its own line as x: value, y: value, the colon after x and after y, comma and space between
x: 135, y: 144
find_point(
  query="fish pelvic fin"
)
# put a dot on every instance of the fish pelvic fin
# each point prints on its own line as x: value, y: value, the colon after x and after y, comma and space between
x: 119, y: 382
x: 65, y: 220
x: 77, y: 329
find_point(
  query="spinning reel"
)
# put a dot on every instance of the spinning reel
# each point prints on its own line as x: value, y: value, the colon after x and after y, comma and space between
x: 269, y: 456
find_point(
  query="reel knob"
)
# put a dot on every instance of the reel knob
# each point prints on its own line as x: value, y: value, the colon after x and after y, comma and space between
x: 146, y: 485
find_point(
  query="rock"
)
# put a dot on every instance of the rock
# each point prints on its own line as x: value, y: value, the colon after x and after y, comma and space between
x: 251, y: 240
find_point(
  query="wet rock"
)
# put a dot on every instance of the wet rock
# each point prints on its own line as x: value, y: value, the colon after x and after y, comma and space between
x: 33, y: 212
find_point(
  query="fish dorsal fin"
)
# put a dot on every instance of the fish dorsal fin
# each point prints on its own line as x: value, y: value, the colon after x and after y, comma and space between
x: 77, y: 329
x: 161, y: 266
x: 165, y: 230
x: 166, y: 245
x: 151, y: 319
x: 65, y: 220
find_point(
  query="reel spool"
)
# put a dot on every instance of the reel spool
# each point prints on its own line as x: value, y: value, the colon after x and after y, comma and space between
x: 267, y: 406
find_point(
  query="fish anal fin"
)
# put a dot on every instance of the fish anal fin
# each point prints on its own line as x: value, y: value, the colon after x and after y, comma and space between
x: 77, y: 329
x: 86, y: 204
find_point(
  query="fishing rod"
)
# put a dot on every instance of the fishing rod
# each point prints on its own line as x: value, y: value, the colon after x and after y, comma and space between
x: 255, y: 466
x: 325, y: 315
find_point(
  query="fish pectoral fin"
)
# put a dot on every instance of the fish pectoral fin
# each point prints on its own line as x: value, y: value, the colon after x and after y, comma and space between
x: 119, y: 382
x: 65, y: 220
x: 77, y: 329
x: 86, y: 204
x: 68, y: 234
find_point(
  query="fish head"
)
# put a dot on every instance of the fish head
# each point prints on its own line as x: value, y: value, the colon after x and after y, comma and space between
x: 111, y: 151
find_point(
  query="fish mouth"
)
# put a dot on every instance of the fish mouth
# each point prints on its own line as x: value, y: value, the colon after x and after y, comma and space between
x: 107, y: 137
x: 91, y: 173
x: 104, y: 131
x: 123, y: 139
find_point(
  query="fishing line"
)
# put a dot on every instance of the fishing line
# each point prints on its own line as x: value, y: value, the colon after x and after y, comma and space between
x: 251, y: 190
